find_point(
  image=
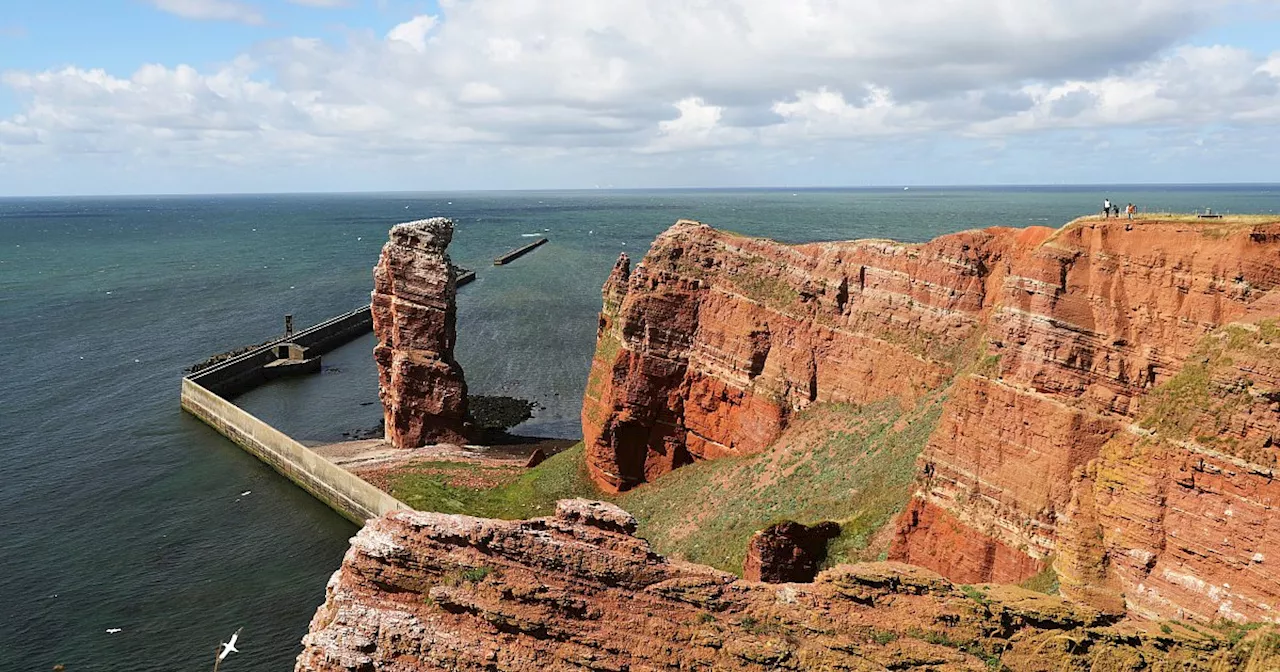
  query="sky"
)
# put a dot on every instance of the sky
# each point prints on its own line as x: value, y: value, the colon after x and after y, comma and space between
x: 236, y: 96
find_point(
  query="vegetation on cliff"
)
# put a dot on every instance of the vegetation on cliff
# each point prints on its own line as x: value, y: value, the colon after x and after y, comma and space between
x: 1223, y: 378
x: 576, y: 590
x: 1013, y: 375
x: 836, y: 462
x: 496, y: 492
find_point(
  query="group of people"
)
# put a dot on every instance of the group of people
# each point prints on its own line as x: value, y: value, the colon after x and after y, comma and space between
x: 1109, y: 209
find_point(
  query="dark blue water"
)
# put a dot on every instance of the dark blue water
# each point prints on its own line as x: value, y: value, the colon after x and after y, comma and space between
x: 117, y: 510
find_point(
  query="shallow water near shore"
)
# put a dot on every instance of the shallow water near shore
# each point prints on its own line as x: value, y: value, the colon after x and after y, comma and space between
x: 120, y: 511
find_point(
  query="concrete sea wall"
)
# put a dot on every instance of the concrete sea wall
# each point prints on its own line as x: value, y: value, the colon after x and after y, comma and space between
x: 247, y: 371
x: 343, y: 491
x: 203, y: 396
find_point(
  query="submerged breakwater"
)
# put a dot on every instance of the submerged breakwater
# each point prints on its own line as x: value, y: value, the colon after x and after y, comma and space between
x: 121, y: 511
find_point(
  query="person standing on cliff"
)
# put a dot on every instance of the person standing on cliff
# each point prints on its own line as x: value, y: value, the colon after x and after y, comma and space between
x: 1130, y: 209
x: 1106, y: 207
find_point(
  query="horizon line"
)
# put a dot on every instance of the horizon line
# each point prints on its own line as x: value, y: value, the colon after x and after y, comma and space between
x: 901, y: 186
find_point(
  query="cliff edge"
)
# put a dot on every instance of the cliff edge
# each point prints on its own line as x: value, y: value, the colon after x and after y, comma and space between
x: 1111, y: 391
x: 574, y: 591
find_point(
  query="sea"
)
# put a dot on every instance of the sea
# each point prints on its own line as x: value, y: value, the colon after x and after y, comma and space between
x: 133, y: 537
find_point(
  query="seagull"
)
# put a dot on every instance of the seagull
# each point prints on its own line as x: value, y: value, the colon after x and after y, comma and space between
x: 230, y: 647
x: 246, y: 492
x: 112, y: 631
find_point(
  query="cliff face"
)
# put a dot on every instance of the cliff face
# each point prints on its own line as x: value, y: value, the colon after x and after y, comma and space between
x: 715, y: 340
x: 422, y: 389
x: 1071, y: 360
x: 426, y: 591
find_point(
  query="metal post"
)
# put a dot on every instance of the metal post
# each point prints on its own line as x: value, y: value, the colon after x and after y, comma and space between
x: 288, y: 326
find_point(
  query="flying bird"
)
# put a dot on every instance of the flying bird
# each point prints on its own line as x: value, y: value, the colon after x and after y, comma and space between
x: 229, y: 648
x: 245, y: 493
x: 112, y: 631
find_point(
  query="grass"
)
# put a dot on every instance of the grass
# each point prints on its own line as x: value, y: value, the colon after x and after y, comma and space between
x: 882, y: 637
x: 476, y: 574
x: 1234, y: 632
x: 1046, y: 581
x: 975, y: 648
x: 988, y: 366
x: 973, y: 593
x: 853, y: 466
x: 1210, y: 228
x: 1215, y: 386
x: 768, y: 290
x: 836, y: 462
x: 529, y: 494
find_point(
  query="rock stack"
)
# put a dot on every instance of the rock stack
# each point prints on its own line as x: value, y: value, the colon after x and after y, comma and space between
x: 423, y: 392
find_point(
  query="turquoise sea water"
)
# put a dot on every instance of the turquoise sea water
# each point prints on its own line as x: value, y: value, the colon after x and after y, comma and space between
x: 117, y: 510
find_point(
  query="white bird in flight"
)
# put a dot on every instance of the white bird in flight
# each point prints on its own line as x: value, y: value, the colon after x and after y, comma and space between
x: 112, y: 631
x: 229, y: 648
x: 245, y: 493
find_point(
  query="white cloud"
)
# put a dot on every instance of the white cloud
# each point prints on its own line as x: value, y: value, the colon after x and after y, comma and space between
x: 211, y: 10
x: 696, y: 118
x: 826, y: 114
x: 564, y: 79
x: 697, y: 126
x: 413, y: 32
x: 1188, y: 87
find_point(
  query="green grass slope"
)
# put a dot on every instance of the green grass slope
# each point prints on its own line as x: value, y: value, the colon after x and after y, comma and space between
x: 835, y: 462
x: 529, y: 495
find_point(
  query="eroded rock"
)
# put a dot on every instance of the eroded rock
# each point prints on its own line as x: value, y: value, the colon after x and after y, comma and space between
x: 421, y: 385
x: 1054, y: 348
x: 427, y: 591
x: 788, y: 552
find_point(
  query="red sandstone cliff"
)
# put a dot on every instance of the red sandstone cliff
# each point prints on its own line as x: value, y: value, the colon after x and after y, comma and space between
x: 422, y: 389
x: 427, y: 591
x: 1065, y: 353
x: 714, y: 340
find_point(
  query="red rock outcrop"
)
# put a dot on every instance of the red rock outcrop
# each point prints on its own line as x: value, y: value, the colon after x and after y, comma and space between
x: 427, y: 591
x: 1061, y: 352
x: 424, y: 395
x: 710, y: 344
x: 788, y: 552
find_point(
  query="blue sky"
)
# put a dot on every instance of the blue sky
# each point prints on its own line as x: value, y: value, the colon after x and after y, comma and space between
x: 188, y: 96
x: 120, y: 35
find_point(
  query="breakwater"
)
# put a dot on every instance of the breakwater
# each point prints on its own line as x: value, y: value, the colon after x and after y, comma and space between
x: 204, y: 395
x: 518, y: 252
x: 253, y: 368
x: 344, y: 492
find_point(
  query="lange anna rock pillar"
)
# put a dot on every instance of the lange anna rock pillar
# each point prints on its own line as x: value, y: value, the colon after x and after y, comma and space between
x: 423, y: 393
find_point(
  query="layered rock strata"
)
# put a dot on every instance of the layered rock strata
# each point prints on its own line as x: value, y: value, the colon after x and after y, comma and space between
x: 788, y: 552
x: 424, y: 395
x: 1061, y: 354
x: 710, y: 344
x: 425, y: 591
